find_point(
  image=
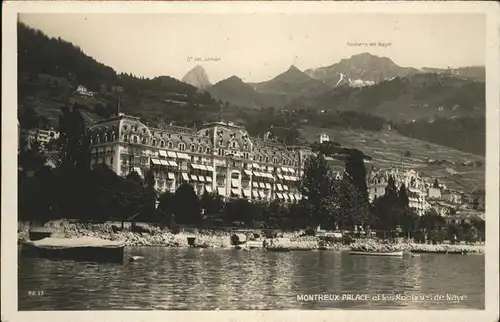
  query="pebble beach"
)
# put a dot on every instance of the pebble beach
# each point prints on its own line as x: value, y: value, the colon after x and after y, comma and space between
x: 156, y: 236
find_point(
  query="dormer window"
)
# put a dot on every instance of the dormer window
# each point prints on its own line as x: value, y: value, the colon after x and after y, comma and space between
x: 193, y: 148
x: 153, y: 142
x: 144, y: 141
x: 267, y: 159
x: 182, y: 146
x: 134, y: 139
x: 207, y: 151
x: 170, y: 145
x: 125, y: 138
x: 200, y: 149
x: 233, y: 144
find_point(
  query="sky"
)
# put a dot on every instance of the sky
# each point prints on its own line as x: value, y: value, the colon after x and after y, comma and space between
x: 257, y: 47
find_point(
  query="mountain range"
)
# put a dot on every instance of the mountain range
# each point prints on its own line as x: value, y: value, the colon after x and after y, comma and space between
x: 360, y: 70
x: 436, y: 105
x: 336, y: 87
x: 197, y: 77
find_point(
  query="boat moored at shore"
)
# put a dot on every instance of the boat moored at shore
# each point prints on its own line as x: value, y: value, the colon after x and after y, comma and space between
x: 374, y: 253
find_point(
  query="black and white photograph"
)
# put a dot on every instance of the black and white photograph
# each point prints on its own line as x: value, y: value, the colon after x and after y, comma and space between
x: 251, y: 160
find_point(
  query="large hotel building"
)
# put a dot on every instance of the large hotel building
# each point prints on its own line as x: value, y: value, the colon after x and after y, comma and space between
x: 219, y: 157
x: 415, y: 184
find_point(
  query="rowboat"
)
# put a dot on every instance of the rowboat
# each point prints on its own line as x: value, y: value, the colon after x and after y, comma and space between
x: 278, y: 249
x: 77, y: 249
x: 387, y: 253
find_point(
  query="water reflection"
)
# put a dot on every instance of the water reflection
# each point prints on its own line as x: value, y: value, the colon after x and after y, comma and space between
x: 231, y: 279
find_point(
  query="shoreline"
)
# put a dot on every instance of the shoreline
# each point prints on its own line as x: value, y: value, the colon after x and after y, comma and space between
x: 158, y: 237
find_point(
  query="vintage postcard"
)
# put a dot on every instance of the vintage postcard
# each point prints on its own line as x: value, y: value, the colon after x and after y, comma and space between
x: 250, y: 160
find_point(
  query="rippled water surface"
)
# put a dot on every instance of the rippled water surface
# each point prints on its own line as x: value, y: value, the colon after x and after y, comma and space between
x: 231, y: 279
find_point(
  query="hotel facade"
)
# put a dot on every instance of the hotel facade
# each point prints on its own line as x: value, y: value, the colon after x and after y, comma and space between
x: 415, y: 185
x: 218, y: 158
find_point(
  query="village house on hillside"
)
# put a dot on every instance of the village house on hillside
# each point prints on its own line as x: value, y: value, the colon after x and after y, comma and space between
x: 82, y: 90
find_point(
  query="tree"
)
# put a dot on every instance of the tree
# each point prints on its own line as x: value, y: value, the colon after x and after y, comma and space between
x: 166, y: 206
x: 31, y: 157
x: 355, y: 169
x: 385, y: 208
x: 316, y: 186
x: 74, y: 152
x: 430, y: 220
x: 149, y: 207
x: 135, y: 178
x: 351, y: 207
x: 403, y: 196
x: 187, y: 205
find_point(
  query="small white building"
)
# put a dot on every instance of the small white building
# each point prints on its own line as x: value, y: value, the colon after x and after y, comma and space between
x: 434, y: 193
x: 82, y: 90
x: 324, y: 138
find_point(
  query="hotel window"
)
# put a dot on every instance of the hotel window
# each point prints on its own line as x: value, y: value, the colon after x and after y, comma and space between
x: 170, y: 145
x: 153, y: 142
x: 221, y: 152
x: 169, y: 136
x: 125, y: 138
x: 135, y: 128
x: 220, y: 142
x: 135, y: 139
x: 208, y: 150
x: 182, y: 146
x: 245, y: 155
x: 267, y: 159
x: 200, y: 149
x: 162, y: 143
x: 144, y: 141
x: 233, y: 144
x: 193, y: 148
x: 207, y: 133
x: 245, y: 146
x: 105, y: 138
x: 125, y: 127
x: 260, y: 158
x: 97, y: 139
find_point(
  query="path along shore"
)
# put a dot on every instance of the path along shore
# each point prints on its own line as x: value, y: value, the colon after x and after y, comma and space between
x: 156, y: 236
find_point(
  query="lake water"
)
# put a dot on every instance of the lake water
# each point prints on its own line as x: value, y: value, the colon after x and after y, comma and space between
x: 207, y: 279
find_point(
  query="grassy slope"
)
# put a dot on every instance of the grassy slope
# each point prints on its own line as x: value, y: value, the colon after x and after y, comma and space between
x: 386, y: 148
